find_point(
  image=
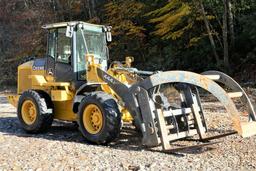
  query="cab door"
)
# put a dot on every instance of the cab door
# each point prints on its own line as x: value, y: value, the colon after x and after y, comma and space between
x: 51, y: 53
x: 60, y: 55
x: 63, y: 65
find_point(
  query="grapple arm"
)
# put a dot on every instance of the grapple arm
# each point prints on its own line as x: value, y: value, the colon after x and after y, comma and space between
x: 153, y: 118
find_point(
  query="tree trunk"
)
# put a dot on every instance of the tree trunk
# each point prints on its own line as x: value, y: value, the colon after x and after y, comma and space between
x: 91, y: 8
x: 231, y: 24
x: 26, y: 3
x: 225, y: 35
x: 207, y: 25
x: 59, y: 10
x: 53, y: 5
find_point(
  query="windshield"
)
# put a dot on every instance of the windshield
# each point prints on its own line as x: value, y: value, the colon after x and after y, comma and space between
x: 89, y: 41
x: 94, y: 43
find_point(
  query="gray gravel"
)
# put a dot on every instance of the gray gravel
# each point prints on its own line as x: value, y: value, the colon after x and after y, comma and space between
x: 63, y: 148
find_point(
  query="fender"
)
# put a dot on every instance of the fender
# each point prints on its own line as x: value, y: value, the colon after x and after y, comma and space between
x: 81, y: 93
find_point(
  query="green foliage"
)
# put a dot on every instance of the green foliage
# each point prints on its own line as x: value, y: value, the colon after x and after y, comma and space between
x: 123, y: 16
x: 126, y: 19
x: 160, y: 34
x: 246, y: 47
x: 172, y: 20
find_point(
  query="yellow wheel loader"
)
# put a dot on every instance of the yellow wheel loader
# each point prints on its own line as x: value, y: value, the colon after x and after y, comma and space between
x: 74, y: 82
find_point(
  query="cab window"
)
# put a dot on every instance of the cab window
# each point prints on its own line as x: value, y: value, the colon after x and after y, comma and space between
x: 52, y: 37
x: 63, y: 47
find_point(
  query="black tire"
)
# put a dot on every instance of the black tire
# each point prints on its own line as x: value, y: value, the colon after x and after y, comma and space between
x: 111, y: 118
x: 44, y: 108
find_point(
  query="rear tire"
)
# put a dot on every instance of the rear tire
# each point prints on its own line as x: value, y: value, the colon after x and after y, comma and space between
x: 35, y: 111
x: 99, y: 118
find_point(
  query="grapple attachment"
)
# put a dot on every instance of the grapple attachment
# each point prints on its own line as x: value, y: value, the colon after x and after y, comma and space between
x: 162, y: 123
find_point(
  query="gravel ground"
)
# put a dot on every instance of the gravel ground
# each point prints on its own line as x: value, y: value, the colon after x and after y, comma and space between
x: 63, y: 148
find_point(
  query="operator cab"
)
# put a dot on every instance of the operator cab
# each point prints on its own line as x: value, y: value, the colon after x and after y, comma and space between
x: 68, y: 45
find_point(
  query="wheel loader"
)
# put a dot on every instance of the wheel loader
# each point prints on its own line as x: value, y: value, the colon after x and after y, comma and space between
x: 76, y: 82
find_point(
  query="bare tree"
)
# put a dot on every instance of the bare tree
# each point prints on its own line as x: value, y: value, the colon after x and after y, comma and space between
x: 91, y: 4
x: 231, y: 24
x: 207, y: 26
x: 59, y: 10
x: 225, y: 34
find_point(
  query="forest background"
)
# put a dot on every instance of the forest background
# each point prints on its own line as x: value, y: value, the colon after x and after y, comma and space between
x: 194, y: 35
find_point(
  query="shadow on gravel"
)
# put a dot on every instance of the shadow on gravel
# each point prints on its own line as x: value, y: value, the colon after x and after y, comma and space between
x: 3, y: 100
x: 63, y: 131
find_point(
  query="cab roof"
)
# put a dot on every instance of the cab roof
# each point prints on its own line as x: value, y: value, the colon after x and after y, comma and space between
x: 70, y: 23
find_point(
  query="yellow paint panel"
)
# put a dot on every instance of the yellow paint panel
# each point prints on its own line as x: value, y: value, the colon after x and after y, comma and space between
x: 61, y: 84
x: 63, y: 110
x: 37, y: 80
x: 127, y: 117
x: 24, y: 82
x: 92, y: 74
x: 40, y: 80
x: 60, y: 95
x: 38, y: 72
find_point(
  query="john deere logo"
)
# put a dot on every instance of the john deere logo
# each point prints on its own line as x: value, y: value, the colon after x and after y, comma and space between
x: 38, y: 68
x: 39, y: 64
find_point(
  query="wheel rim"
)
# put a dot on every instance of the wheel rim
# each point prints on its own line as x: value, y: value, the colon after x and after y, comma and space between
x: 92, y: 119
x: 28, y: 112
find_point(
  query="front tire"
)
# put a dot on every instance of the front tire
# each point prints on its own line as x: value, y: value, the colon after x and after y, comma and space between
x: 99, y: 118
x: 34, y: 111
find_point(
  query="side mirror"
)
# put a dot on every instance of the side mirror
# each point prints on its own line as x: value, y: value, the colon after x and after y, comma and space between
x: 109, y: 36
x: 69, y: 31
